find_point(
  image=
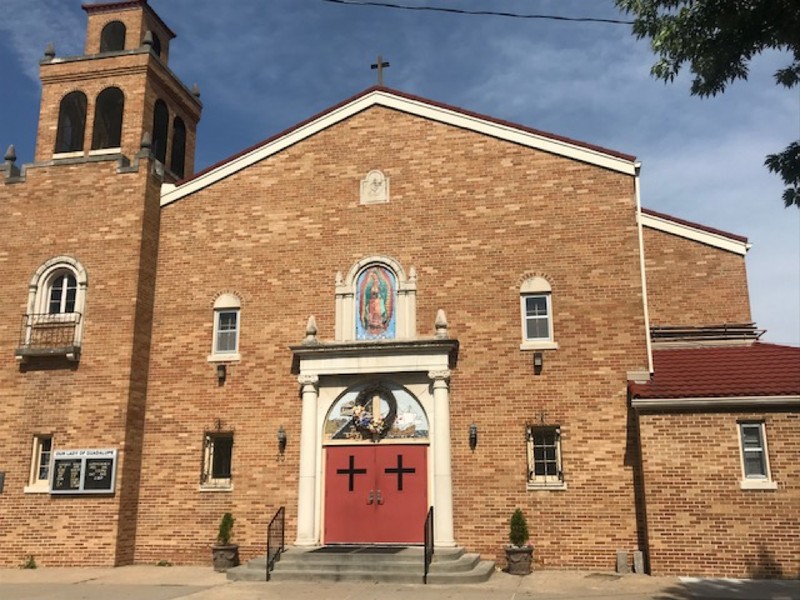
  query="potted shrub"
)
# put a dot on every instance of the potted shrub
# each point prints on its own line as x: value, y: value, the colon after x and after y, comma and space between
x: 225, y: 555
x: 519, y: 553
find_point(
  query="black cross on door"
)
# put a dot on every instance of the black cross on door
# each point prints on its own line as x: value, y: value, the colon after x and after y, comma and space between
x: 400, y: 471
x: 351, y: 472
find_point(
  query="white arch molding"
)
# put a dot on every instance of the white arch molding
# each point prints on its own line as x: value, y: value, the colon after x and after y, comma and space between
x: 406, y: 325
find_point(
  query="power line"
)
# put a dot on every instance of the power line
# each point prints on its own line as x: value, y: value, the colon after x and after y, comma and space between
x: 491, y: 13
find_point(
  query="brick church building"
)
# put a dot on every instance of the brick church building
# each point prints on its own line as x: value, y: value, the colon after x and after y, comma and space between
x: 393, y: 305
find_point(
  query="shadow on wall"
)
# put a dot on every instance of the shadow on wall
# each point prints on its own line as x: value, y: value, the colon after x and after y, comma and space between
x: 766, y: 582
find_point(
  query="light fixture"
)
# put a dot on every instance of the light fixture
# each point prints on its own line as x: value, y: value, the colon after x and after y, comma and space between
x: 281, y: 440
x: 473, y: 436
x: 222, y: 373
x: 538, y: 362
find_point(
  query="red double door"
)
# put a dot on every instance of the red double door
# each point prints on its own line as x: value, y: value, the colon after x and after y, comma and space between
x: 376, y: 494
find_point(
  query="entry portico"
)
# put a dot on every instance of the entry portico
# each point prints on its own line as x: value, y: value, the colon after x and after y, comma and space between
x: 327, y: 370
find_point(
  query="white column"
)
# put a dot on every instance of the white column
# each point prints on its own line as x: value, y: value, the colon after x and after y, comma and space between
x: 306, y: 494
x: 442, y: 474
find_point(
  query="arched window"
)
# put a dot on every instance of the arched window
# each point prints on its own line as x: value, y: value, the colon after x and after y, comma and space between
x: 112, y: 38
x: 160, y: 130
x: 178, y: 158
x: 56, y: 304
x: 227, y: 326
x: 537, y: 313
x: 156, y: 45
x: 108, y: 111
x: 71, y: 123
x: 62, y: 292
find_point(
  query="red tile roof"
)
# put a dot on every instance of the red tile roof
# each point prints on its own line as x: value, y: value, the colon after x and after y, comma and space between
x: 699, y: 226
x: 723, y: 372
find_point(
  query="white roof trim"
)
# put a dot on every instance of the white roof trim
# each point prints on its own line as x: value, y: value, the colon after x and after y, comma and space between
x: 727, y: 402
x: 414, y: 107
x: 692, y: 233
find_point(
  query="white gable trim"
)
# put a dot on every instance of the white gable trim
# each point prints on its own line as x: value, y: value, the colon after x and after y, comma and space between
x: 415, y: 107
x: 691, y: 233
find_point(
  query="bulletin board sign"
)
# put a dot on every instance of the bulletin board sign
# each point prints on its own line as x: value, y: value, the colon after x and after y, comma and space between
x: 88, y: 471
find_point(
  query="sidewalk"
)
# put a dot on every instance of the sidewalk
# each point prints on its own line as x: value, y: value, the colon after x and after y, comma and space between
x: 201, y: 583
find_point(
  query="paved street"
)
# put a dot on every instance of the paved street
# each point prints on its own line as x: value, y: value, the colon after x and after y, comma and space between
x: 201, y: 583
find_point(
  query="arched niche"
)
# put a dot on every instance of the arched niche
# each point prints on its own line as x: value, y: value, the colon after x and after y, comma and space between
x: 376, y: 286
x: 349, y: 417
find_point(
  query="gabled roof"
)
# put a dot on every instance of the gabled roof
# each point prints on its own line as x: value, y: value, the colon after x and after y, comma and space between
x: 414, y: 105
x: 695, y: 231
x: 722, y: 372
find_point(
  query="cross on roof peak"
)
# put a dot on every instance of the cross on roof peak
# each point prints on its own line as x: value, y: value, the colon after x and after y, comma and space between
x: 380, y: 65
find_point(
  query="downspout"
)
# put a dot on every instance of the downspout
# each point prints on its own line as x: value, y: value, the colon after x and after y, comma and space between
x: 637, y: 193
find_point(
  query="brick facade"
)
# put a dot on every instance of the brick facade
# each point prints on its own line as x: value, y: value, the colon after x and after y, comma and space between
x: 691, y: 283
x: 700, y: 521
x: 475, y: 215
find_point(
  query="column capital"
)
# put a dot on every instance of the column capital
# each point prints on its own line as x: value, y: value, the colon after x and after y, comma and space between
x: 441, y: 375
x: 305, y: 379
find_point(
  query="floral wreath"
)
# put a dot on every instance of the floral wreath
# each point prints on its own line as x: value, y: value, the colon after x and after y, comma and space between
x: 364, y: 420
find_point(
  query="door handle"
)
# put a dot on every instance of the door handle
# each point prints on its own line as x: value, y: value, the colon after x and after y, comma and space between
x: 371, y: 497
x: 378, y: 498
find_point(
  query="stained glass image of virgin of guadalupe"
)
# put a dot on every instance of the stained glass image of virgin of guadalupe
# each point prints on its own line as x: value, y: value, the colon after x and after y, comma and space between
x: 376, y: 299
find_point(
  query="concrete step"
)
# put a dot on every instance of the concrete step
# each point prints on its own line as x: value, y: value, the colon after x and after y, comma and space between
x: 385, y: 564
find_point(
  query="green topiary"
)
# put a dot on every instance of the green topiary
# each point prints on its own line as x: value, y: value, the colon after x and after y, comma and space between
x: 225, y: 528
x: 519, y: 529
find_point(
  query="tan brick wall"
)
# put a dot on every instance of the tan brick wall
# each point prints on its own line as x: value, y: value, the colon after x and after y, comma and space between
x: 474, y: 215
x: 95, y: 215
x: 700, y: 522
x: 689, y: 283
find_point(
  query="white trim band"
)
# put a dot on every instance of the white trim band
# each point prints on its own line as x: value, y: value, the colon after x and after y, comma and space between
x: 711, y: 402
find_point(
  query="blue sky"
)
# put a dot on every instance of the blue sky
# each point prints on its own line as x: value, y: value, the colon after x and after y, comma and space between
x: 263, y: 65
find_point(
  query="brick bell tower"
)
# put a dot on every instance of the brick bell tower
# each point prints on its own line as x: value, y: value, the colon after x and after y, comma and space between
x: 119, y: 91
x: 82, y: 230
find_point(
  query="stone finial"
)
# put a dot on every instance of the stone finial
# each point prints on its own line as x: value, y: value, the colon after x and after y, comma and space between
x: 147, y: 141
x: 339, y: 278
x: 50, y: 51
x: 147, y: 40
x: 311, y: 331
x: 196, y: 90
x: 441, y: 325
x: 11, y: 154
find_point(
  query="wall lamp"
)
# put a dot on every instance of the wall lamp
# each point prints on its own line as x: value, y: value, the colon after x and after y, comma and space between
x: 281, y: 440
x: 473, y: 436
x: 222, y: 373
x: 538, y: 362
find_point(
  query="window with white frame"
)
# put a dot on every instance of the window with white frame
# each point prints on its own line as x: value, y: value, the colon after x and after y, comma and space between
x: 56, y: 304
x: 536, y: 310
x: 225, y: 345
x: 217, y: 460
x: 754, y: 456
x: 544, y: 457
x: 39, y: 480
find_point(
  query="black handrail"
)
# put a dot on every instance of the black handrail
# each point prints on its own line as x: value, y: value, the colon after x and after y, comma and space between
x: 276, y: 541
x: 428, y: 544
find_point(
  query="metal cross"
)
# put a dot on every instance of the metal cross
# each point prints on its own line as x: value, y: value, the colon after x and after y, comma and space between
x: 400, y: 472
x: 380, y: 65
x: 351, y: 472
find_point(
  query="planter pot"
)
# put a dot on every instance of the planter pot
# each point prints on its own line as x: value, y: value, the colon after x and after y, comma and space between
x: 225, y: 557
x: 519, y: 559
